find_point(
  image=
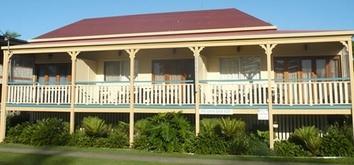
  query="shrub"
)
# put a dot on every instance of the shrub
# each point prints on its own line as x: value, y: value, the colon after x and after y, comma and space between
x: 286, y: 148
x: 258, y: 146
x: 336, y: 143
x: 207, y: 126
x: 168, y: 132
x: 231, y: 128
x: 211, y: 144
x: 116, y: 138
x: 14, y: 135
x: 80, y: 139
x: 309, y: 138
x: 49, y: 131
x: 239, y: 145
x: 95, y: 127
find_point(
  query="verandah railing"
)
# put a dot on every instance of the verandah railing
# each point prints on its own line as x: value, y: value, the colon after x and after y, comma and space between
x: 164, y: 94
x: 320, y: 92
x: 324, y: 92
x: 39, y: 94
x: 233, y: 92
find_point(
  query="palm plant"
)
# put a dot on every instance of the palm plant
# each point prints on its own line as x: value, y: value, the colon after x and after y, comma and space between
x: 96, y: 127
x: 231, y: 128
x: 8, y: 35
x: 208, y: 126
x: 309, y: 137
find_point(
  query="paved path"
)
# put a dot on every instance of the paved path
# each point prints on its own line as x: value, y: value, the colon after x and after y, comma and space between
x: 133, y: 157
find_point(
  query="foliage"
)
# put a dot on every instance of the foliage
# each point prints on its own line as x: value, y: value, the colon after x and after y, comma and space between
x: 228, y: 136
x: 169, y: 132
x: 80, y: 139
x: 240, y: 145
x: 11, y: 35
x: 95, y: 127
x: 264, y: 136
x: 211, y: 144
x: 207, y: 126
x: 258, y: 146
x: 49, y: 131
x: 286, y: 148
x: 336, y: 143
x: 231, y: 128
x: 309, y: 138
x: 116, y: 138
x: 15, y: 135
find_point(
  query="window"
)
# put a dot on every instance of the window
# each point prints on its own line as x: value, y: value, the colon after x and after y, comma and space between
x: 53, y: 74
x: 305, y: 68
x: 116, y: 71
x: 240, y: 68
x: 173, y: 70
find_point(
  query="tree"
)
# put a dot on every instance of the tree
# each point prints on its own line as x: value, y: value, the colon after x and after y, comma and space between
x: 11, y: 35
x: 8, y: 35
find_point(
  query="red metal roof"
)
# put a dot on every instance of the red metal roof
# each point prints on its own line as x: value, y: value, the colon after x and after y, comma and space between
x: 159, y: 22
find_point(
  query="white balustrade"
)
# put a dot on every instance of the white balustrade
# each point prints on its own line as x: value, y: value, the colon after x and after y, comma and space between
x: 164, y: 94
x: 312, y: 93
x: 102, y: 94
x: 240, y: 93
x: 39, y: 94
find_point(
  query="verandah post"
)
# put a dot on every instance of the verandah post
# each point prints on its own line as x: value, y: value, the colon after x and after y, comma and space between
x: 6, y: 59
x: 196, y: 53
x: 73, y: 55
x: 349, y: 50
x: 131, y: 53
x: 268, y: 48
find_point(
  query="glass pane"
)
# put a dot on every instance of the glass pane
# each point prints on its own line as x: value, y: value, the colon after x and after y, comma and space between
x: 293, y: 69
x: 52, y: 73
x: 333, y: 68
x: 279, y: 68
x: 250, y: 67
x: 112, y: 71
x: 321, y: 68
x: 306, y: 69
x: 158, y: 68
x: 229, y: 68
x: 41, y: 74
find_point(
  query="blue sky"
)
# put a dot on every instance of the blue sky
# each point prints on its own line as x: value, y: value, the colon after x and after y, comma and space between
x: 31, y: 18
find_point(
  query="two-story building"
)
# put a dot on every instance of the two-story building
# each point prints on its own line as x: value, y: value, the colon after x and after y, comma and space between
x: 202, y: 63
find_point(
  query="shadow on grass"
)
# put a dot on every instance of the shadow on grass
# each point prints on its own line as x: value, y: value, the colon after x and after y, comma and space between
x: 42, y: 156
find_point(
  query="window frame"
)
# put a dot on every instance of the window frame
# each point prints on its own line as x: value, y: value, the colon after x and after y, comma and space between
x: 300, y: 73
x: 240, y: 76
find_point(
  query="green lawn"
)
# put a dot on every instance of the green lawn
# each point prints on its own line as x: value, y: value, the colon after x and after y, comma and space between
x: 22, y: 154
x: 33, y: 159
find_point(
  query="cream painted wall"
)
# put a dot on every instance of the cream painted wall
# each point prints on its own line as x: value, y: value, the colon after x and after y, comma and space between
x: 92, y: 67
x: 86, y: 70
x: 214, y: 54
x: 143, y: 59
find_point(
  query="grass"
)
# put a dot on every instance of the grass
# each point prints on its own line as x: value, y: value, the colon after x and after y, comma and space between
x: 33, y: 159
x: 144, y: 157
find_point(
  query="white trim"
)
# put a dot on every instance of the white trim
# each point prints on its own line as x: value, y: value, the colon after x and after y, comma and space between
x: 156, y: 33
